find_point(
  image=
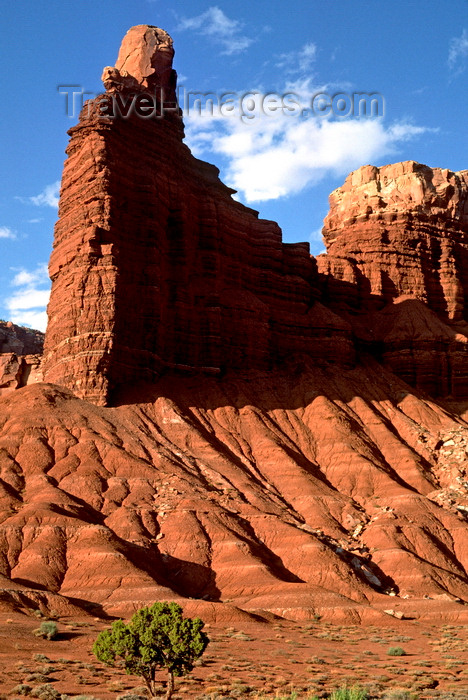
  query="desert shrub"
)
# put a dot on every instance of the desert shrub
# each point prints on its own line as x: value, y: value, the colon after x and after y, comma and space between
x: 396, y: 651
x: 47, y: 630
x: 22, y: 689
x: 156, y: 637
x: 45, y: 692
x: 36, y: 678
x: 353, y: 693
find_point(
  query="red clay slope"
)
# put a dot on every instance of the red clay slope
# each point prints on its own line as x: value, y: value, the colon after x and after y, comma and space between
x: 300, y: 492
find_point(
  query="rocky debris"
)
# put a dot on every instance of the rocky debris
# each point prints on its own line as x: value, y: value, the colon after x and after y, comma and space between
x: 451, y: 470
x: 395, y: 613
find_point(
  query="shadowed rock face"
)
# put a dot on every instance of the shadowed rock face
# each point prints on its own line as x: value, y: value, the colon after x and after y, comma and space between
x: 155, y: 265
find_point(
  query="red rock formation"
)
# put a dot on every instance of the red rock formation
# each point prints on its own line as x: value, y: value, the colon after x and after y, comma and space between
x: 400, y: 233
x: 20, y: 340
x: 155, y: 265
x: 303, y: 491
x: 300, y: 489
x: 20, y: 356
x: 405, y: 228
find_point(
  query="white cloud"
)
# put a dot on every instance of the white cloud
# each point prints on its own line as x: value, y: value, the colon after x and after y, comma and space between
x: 220, y: 28
x: 6, y: 232
x: 301, y: 60
x: 49, y: 197
x: 32, y: 319
x: 28, y: 299
x: 26, y: 306
x: 458, y: 53
x: 273, y: 156
x: 39, y: 276
x: 316, y: 236
x: 270, y: 154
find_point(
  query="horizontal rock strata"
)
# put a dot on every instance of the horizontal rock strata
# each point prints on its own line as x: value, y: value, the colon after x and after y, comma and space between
x: 155, y: 265
x: 20, y: 356
x: 395, y: 234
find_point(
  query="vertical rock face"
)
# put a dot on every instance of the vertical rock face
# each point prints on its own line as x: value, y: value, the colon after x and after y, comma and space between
x: 20, y: 356
x: 404, y: 227
x: 399, y: 233
x: 154, y: 264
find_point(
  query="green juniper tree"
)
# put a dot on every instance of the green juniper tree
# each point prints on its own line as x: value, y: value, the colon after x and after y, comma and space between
x: 156, y: 637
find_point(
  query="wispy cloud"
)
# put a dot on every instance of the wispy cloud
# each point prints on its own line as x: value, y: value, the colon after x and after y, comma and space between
x: 295, y: 61
x: 49, y: 197
x: 223, y: 30
x: 269, y: 160
x: 27, y: 304
x: 6, y: 232
x: 270, y: 154
x: 458, y: 53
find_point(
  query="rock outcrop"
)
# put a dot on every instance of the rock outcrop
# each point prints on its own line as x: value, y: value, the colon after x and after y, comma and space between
x: 288, y: 470
x: 156, y: 266
x: 144, y: 63
x: 20, y: 340
x: 397, y: 266
x: 20, y: 356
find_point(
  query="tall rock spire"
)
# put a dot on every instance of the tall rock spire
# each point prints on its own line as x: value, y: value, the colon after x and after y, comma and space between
x: 154, y: 264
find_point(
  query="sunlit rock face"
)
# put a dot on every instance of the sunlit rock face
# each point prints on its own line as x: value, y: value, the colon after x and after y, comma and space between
x: 260, y: 457
x: 20, y: 356
x: 397, y: 249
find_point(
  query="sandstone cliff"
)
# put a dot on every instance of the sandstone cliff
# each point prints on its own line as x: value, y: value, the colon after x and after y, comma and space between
x: 156, y: 266
x: 20, y: 356
x: 397, y: 266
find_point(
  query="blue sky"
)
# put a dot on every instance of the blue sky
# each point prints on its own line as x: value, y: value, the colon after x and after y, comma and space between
x: 413, y: 53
